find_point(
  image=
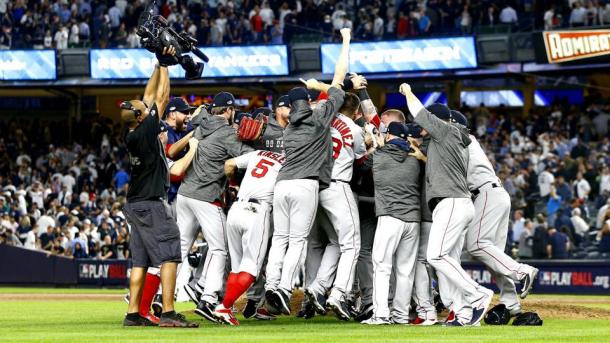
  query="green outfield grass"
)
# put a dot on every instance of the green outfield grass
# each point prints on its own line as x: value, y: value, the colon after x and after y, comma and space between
x: 100, y: 321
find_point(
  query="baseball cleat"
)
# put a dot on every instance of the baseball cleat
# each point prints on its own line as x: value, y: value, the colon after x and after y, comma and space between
x: 423, y: 322
x: 479, y: 311
x: 528, y: 282
x: 376, y: 321
x: 263, y: 314
x: 307, y: 312
x: 454, y: 322
x: 271, y: 305
x: 140, y: 321
x: 318, y: 301
x: 157, y: 305
x: 282, y: 300
x: 154, y: 319
x: 450, y: 317
x: 192, y: 293
x: 339, y: 307
x: 250, y: 309
x: 225, y: 315
x: 176, y: 320
x: 365, y: 313
x: 399, y: 321
x: 206, y: 310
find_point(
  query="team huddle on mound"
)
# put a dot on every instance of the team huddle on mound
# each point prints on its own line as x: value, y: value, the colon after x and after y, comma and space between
x: 435, y: 193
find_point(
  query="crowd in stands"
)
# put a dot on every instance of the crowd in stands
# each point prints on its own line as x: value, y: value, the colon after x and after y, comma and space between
x: 61, y: 24
x: 66, y: 197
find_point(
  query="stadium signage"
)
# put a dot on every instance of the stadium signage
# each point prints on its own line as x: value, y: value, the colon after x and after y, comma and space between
x: 243, y: 61
x: 405, y: 55
x: 566, y: 46
x: 27, y: 65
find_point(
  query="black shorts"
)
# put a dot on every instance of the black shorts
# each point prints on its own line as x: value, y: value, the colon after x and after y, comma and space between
x: 155, y: 238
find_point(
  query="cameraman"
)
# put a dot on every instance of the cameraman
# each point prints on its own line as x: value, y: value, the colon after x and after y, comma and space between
x: 155, y: 239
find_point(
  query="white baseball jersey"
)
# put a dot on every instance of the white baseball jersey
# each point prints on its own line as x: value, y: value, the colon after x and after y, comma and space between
x: 348, y: 145
x: 262, y: 168
x: 480, y: 170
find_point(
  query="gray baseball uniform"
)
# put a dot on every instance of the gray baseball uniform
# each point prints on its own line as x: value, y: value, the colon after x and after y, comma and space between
x: 307, y: 143
x: 198, y: 200
x: 397, y: 205
x: 449, y: 198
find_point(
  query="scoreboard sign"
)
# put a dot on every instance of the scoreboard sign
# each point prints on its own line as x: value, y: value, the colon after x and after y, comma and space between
x: 570, y: 46
x: 27, y: 65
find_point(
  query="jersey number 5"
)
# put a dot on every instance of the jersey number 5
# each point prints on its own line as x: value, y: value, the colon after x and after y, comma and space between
x: 262, y: 168
x: 337, y: 145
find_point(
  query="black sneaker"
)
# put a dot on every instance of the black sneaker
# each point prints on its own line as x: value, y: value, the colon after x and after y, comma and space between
x: 282, y: 301
x: 250, y: 309
x: 307, y: 311
x: 138, y: 321
x: 339, y: 307
x: 272, y: 307
x: 157, y: 305
x: 318, y: 301
x: 175, y: 320
x: 193, y: 293
x: 206, y: 310
x: 365, y: 313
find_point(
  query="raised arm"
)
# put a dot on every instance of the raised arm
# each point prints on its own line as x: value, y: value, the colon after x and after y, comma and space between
x: 413, y: 103
x: 369, y: 111
x: 151, y: 87
x: 343, y: 61
x: 180, y: 167
x: 162, y: 94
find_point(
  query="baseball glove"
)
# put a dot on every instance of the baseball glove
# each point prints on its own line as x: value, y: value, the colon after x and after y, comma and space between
x: 527, y: 319
x: 250, y: 129
x: 498, y: 315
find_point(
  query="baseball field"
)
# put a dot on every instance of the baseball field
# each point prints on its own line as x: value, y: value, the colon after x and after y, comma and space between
x: 93, y: 315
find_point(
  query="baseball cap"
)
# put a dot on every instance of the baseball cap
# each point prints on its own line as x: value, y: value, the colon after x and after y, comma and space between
x: 180, y: 105
x: 441, y: 111
x: 459, y: 118
x: 413, y: 130
x: 298, y: 93
x: 398, y: 129
x: 283, y: 101
x: 261, y: 110
x: 223, y: 99
x: 239, y: 115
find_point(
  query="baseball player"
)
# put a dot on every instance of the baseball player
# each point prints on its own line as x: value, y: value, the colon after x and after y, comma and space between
x: 271, y: 139
x: 448, y: 197
x: 487, y: 233
x: 397, y: 206
x: 307, y: 143
x: 248, y: 224
x: 198, y: 203
x: 339, y: 204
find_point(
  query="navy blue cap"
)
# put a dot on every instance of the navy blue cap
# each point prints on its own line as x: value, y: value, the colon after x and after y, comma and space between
x: 261, y: 110
x: 283, y: 101
x: 459, y: 118
x: 223, y: 99
x: 239, y: 115
x: 441, y: 111
x: 298, y: 93
x: 413, y: 130
x: 180, y: 105
x: 398, y: 129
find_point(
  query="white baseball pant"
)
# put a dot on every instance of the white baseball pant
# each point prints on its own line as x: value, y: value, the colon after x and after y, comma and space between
x: 364, y: 268
x: 322, y: 255
x: 294, y: 209
x: 193, y: 213
x: 395, y: 245
x: 450, y: 295
x: 248, y: 226
x: 486, y: 238
x: 422, y: 292
x: 450, y: 219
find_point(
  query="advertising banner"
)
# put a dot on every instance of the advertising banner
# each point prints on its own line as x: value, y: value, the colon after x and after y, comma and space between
x: 102, y: 272
x: 404, y: 55
x: 586, y: 46
x: 270, y: 60
x: 27, y: 65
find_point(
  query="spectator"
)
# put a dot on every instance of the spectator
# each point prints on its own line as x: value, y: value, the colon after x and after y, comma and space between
x: 491, y: 17
x: 508, y: 15
x: 545, y: 182
x: 78, y: 251
x: 578, y: 16
x: 74, y: 35
x: 552, y: 207
x: 582, y: 187
x: 604, y: 182
x: 558, y: 244
x: 465, y: 20
x: 564, y: 189
x: 424, y: 23
x: 549, y: 18
x: 539, y: 241
x: 31, y: 240
x: 581, y: 228
x: 526, y: 241
x: 47, y: 238
x: 518, y: 226
x: 257, y: 23
x: 277, y: 33
x: 48, y: 40
x: 378, y: 26
x: 602, y: 213
x: 133, y: 40
x: 108, y: 249
x: 603, y: 237
x: 61, y: 38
